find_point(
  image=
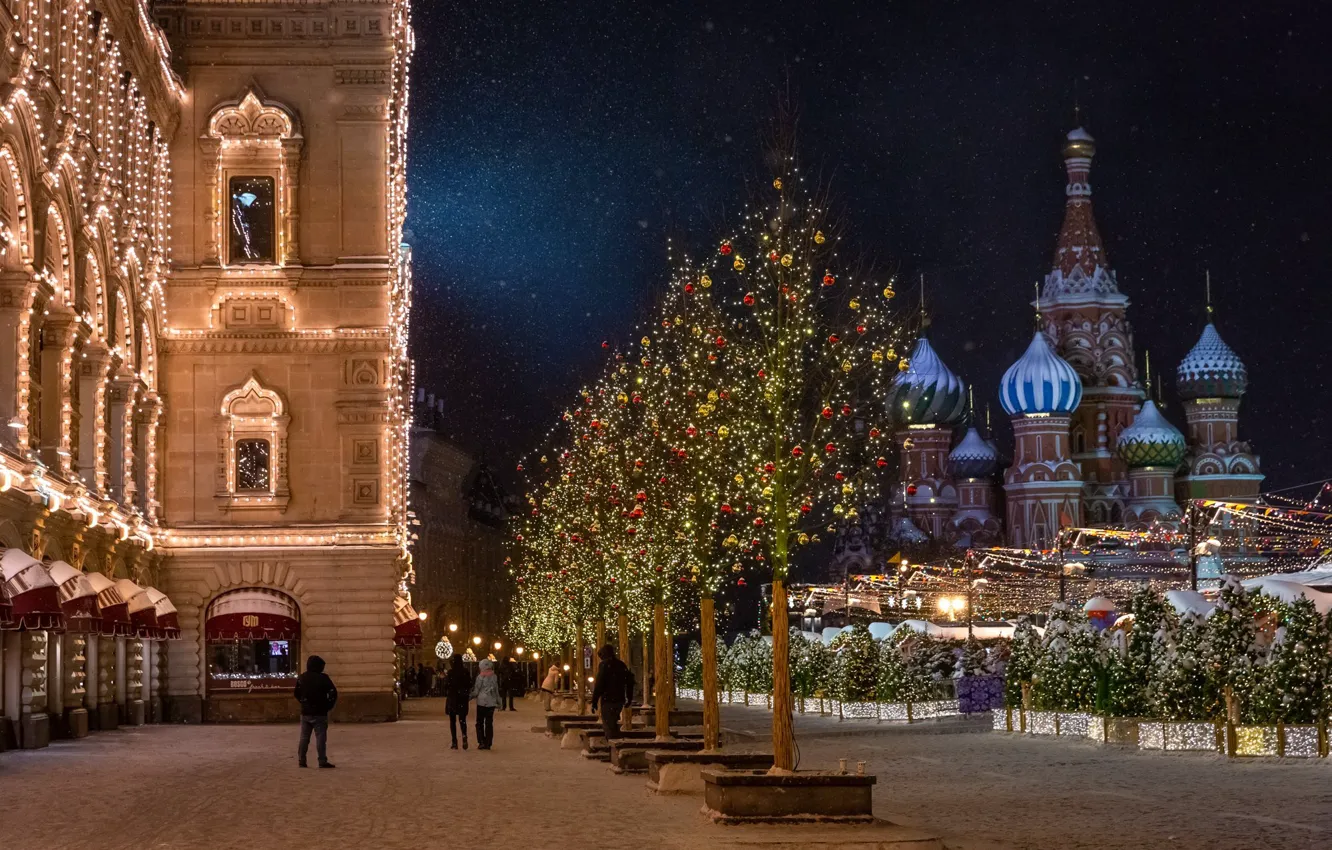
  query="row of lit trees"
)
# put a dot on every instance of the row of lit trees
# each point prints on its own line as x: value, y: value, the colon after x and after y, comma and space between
x: 745, y: 423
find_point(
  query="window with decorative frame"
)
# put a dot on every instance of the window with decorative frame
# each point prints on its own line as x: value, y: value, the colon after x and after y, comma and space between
x: 252, y: 154
x: 252, y: 449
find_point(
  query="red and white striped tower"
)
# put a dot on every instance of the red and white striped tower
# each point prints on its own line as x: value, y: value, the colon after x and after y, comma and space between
x: 1085, y: 320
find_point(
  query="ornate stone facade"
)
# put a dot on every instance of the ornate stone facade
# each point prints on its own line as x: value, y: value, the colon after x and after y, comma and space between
x: 203, y: 319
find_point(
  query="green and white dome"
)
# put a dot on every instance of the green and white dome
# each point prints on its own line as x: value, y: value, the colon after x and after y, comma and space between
x: 1151, y: 440
x: 928, y: 392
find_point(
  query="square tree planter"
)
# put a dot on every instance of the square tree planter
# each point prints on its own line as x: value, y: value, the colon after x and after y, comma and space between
x: 631, y: 756
x: 755, y: 796
x: 595, y: 745
x: 681, y: 772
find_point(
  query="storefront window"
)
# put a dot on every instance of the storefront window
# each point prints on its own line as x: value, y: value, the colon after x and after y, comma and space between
x: 253, y: 641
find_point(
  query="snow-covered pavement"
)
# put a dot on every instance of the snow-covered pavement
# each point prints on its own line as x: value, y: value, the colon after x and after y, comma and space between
x: 986, y: 790
x: 398, y: 786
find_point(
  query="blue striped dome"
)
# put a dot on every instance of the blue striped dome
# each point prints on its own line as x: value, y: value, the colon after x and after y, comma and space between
x: 1040, y: 382
x: 928, y: 392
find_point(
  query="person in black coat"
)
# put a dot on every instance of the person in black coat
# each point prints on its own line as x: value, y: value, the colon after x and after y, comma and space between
x: 457, y: 694
x: 317, y: 696
x: 614, y: 688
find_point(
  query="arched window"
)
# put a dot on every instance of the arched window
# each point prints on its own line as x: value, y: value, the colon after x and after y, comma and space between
x: 252, y: 449
x: 253, y: 637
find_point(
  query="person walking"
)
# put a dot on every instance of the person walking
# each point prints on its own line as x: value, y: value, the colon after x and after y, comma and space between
x: 317, y: 696
x: 516, y: 685
x: 549, y: 684
x: 486, y: 692
x: 613, y: 689
x: 457, y: 694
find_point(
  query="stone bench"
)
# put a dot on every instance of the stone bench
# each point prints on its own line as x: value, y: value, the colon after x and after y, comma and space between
x: 555, y: 722
x: 678, y: 717
x: 572, y: 737
x: 676, y: 772
x: 597, y: 747
x: 631, y: 756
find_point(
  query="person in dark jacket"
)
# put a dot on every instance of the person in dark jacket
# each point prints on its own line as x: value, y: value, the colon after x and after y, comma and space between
x: 457, y: 694
x: 317, y: 696
x: 614, y: 688
x: 517, y: 682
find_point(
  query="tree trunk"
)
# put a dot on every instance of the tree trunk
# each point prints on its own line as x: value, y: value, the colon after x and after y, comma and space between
x: 580, y: 676
x: 600, y: 632
x: 661, y: 657
x: 783, y: 730
x: 622, y: 627
x: 711, y: 712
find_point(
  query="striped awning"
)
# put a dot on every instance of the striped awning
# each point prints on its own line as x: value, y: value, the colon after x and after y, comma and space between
x: 114, y: 607
x: 34, y: 598
x: 406, y: 623
x: 78, y: 598
x: 142, y: 611
x: 167, y: 618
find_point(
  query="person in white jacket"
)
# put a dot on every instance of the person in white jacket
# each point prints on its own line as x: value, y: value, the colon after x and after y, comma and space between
x: 486, y: 692
x: 549, y: 684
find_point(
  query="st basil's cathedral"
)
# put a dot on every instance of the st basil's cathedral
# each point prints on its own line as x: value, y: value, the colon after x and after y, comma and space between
x: 1090, y: 447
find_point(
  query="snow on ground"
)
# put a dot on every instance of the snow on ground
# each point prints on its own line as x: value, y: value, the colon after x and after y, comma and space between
x: 398, y: 786
x: 986, y: 790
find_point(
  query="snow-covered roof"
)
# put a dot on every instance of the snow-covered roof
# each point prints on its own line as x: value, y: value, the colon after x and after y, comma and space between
x: 1289, y: 591
x: 1099, y: 603
x: 1189, y: 602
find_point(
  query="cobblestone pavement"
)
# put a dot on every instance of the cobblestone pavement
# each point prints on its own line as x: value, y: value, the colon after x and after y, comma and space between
x: 985, y: 790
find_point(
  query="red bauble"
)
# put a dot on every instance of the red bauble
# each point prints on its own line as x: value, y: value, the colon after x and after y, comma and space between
x: 726, y: 509
x: 834, y: 339
x: 911, y: 489
x: 758, y: 522
x: 726, y: 248
x: 740, y: 582
x: 749, y: 299
x: 830, y: 448
x: 691, y: 430
x: 860, y: 329
x: 874, y: 433
x: 762, y: 375
x: 828, y: 279
x: 827, y: 413
x: 689, y: 287
x: 846, y: 410
x: 768, y: 467
x: 797, y: 452
x: 881, y: 462
x: 839, y: 476
x: 774, y: 256
x: 641, y: 496
x: 721, y: 342
x: 804, y: 509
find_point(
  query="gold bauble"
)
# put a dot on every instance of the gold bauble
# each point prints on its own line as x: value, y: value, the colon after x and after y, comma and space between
x: 738, y: 265
x: 888, y: 292
x: 846, y: 366
x: 665, y: 370
x: 819, y: 238
x: 903, y: 365
x: 705, y: 281
x: 723, y: 432
x: 645, y: 341
x: 877, y: 356
x: 854, y: 305
x: 787, y: 259
x: 777, y: 183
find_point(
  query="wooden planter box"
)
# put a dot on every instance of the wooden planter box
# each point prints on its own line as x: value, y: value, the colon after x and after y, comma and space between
x: 595, y: 745
x: 681, y: 771
x: 679, y: 717
x: 631, y: 756
x: 555, y: 722
x: 750, y: 796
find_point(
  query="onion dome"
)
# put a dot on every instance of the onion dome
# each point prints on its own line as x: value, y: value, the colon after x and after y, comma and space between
x: 1040, y: 382
x: 928, y: 392
x: 1151, y: 440
x: 1211, y: 369
x: 973, y: 457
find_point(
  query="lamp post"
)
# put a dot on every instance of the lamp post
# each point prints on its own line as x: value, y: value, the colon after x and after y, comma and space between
x: 971, y: 586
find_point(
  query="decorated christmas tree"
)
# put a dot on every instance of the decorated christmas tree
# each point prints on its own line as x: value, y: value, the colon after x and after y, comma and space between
x: 1068, y: 670
x: 1228, y: 650
x: 1290, y: 686
x: 1177, y: 688
x: 1026, y: 649
x: 1131, y: 655
x: 857, y: 663
x: 691, y: 676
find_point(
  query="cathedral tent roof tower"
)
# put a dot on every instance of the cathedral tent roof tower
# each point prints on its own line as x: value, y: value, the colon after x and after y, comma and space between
x: 1080, y: 269
x: 1151, y: 440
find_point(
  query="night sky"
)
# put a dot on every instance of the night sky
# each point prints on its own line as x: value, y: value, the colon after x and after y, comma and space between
x: 556, y: 145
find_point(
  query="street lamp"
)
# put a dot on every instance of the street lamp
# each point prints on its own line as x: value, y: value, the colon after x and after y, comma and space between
x: 476, y: 640
x: 422, y: 616
x: 498, y: 646
x: 453, y: 627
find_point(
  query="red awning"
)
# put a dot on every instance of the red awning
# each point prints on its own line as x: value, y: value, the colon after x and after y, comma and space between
x: 253, y: 614
x: 78, y: 599
x: 167, y: 618
x: 114, y: 607
x: 6, y: 610
x: 406, y: 623
x: 142, y: 612
x: 33, y: 596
